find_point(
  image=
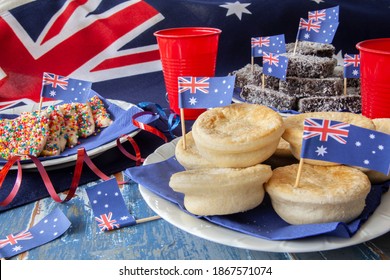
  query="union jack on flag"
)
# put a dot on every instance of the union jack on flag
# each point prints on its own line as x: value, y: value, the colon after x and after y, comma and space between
x: 274, y: 44
x: 351, y: 66
x: 325, y: 129
x: 194, y: 84
x: 260, y: 41
x: 271, y: 59
x: 106, y: 222
x: 13, y: 239
x: 275, y: 65
x: 55, y: 80
x: 329, y: 15
x: 317, y: 15
x: 344, y: 143
x: 309, y: 25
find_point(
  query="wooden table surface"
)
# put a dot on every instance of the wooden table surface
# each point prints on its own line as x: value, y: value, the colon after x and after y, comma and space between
x: 151, y: 240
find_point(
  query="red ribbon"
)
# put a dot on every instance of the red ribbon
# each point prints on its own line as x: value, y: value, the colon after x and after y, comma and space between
x: 82, y: 157
x: 147, y: 127
x: 18, y: 181
x: 137, y: 158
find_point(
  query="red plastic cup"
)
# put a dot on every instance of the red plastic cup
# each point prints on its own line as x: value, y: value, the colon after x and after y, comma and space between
x: 187, y: 51
x: 375, y: 77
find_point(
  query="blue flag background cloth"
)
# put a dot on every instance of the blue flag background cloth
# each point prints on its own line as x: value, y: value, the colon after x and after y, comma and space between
x: 239, y: 21
x: 261, y: 221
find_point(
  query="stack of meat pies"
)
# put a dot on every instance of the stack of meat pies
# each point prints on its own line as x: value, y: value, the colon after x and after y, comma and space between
x: 227, y: 160
x: 239, y: 135
x: 223, y: 157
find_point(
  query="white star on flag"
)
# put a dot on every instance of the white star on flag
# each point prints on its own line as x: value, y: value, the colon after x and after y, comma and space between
x: 321, y: 151
x: 192, y: 101
x: 236, y: 8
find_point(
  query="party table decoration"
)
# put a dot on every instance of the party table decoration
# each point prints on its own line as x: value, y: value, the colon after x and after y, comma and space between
x: 262, y: 221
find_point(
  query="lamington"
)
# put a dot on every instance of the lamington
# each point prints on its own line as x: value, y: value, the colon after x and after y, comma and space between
x: 349, y: 103
x: 269, y: 97
x: 308, y: 66
x: 311, y: 48
x: 248, y: 76
x: 306, y: 87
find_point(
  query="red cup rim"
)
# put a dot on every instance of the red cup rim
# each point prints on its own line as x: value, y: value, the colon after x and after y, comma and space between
x: 365, y: 46
x: 185, y: 32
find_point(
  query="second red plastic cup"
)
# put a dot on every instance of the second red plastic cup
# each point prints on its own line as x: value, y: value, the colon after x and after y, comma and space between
x: 375, y: 77
x: 187, y: 51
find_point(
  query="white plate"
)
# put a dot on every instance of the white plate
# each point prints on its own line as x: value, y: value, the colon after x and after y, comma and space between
x: 62, y: 162
x: 378, y: 224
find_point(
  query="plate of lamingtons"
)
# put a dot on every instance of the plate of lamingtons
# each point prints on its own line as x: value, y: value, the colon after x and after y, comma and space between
x: 94, y: 125
x: 210, y: 191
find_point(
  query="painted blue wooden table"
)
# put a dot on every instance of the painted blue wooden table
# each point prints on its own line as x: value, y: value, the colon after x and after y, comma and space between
x: 156, y: 239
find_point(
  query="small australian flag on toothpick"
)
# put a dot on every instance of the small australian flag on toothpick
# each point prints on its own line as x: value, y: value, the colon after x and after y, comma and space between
x: 345, y: 143
x: 320, y: 26
x: 64, y: 88
x: 275, y: 44
x: 275, y: 65
x: 205, y: 92
x: 351, y: 66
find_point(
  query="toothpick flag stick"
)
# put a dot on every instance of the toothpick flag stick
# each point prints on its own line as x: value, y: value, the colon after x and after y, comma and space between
x: 183, y: 128
x: 253, y: 63
x: 262, y: 81
x: 148, y: 219
x: 40, y: 105
x: 299, y: 173
x: 295, y: 47
x: 345, y: 86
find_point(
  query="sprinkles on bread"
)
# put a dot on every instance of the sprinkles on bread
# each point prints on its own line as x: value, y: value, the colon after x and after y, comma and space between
x: 48, y: 132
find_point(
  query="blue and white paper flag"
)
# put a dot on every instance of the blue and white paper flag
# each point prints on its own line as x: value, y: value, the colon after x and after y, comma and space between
x: 351, y: 66
x: 275, y: 44
x: 46, y: 230
x: 65, y: 88
x: 205, y: 92
x: 345, y: 143
x: 108, y: 206
x: 275, y: 65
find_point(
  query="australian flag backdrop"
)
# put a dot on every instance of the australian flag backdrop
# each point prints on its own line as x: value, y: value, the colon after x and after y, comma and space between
x: 111, y: 42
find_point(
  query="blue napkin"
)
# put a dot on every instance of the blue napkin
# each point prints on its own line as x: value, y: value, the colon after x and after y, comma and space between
x: 261, y: 221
